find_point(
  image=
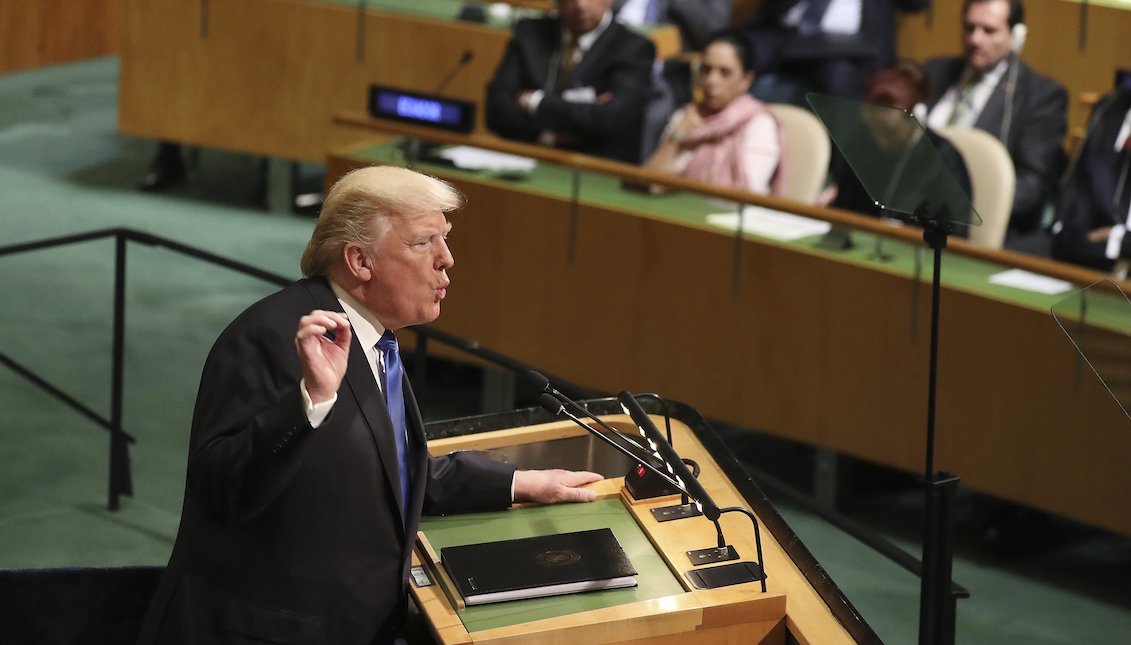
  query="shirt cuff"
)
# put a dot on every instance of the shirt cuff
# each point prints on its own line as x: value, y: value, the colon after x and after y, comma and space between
x: 512, y: 486
x: 316, y: 413
x: 1114, y: 242
x: 531, y: 100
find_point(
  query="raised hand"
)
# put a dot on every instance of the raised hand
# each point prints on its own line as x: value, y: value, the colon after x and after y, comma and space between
x: 323, y: 359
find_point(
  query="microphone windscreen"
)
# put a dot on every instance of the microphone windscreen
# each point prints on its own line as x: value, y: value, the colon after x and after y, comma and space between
x: 549, y: 402
x: 538, y: 380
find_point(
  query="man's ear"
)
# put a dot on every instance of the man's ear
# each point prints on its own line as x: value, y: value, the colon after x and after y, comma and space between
x: 357, y: 262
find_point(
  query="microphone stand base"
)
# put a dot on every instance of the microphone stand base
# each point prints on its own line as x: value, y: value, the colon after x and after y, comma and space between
x: 712, y: 555
x: 677, y: 512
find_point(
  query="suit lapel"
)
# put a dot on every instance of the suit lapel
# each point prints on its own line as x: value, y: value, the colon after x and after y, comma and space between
x: 994, y: 111
x: 592, y: 58
x: 361, y: 385
x: 543, y: 63
x: 417, y: 450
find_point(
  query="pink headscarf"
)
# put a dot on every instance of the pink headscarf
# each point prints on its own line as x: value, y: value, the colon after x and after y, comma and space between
x: 716, y: 145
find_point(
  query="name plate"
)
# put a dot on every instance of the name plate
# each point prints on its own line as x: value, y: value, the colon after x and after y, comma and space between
x: 422, y: 109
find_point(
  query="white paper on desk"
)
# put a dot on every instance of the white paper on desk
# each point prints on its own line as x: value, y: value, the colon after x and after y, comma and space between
x: 470, y: 158
x: 1020, y: 279
x: 771, y: 223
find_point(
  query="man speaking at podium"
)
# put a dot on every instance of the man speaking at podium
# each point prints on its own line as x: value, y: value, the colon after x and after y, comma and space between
x: 308, y: 470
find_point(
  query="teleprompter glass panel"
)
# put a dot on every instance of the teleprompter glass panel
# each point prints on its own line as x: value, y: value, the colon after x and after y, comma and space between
x: 1098, y: 321
x: 896, y: 160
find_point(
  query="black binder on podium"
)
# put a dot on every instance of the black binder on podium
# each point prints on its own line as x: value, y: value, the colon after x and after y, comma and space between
x: 534, y: 567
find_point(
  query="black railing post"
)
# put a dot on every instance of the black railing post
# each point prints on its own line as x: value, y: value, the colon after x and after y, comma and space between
x: 120, y: 481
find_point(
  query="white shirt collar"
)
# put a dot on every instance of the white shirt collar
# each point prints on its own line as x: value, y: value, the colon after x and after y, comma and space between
x: 993, y: 77
x: 1124, y: 132
x: 365, y: 326
x: 586, y: 40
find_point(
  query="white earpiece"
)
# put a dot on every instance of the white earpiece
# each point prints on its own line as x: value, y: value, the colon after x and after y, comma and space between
x: 1019, y: 32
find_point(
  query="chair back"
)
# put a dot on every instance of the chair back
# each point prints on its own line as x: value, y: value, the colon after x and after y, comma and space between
x: 805, y: 149
x: 992, y: 180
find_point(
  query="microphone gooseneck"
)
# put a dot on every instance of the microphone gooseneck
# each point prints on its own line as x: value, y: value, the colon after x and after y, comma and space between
x: 464, y: 59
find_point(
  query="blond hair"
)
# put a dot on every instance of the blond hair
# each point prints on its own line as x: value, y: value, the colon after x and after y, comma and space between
x: 360, y: 205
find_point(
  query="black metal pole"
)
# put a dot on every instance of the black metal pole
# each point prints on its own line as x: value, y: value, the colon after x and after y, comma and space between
x: 936, y: 598
x: 937, y: 240
x: 120, y: 480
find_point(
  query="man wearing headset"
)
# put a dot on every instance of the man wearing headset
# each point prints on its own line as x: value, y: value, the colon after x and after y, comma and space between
x: 989, y: 88
x: 579, y: 80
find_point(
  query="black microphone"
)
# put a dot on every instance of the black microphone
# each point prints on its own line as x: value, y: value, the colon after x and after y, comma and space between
x: 674, y: 461
x: 464, y: 59
x: 539, y: 381
x: 558, y: 407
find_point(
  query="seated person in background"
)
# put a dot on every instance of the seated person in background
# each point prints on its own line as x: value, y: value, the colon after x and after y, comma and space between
x: 696, y: 19
x: 579, y: 81
x: 829, y: 46
x: 1095, y: 207
x: 726, y: 137
x: 989, y: 88
x: 903, y: 86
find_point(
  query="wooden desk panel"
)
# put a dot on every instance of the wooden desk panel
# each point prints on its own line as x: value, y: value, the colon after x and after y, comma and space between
x: 35, y: 33
x: 269, y: 75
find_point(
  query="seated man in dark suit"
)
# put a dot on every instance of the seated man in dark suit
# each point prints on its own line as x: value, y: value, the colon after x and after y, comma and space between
x: 697, y: 20
x: 579, y: 81
x: 989, y: 88
x: 308, y: 467
x: 1093, y: 213
x: 830, y: 46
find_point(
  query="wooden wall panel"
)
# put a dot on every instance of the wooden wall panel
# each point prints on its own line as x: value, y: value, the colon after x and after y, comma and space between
x: 46, y: 32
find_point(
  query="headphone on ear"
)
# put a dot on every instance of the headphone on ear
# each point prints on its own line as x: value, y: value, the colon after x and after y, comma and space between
x: 1019, y: 32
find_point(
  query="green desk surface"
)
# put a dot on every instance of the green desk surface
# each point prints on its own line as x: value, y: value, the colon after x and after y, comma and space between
x: 654, y: 578
x: 958, y: 271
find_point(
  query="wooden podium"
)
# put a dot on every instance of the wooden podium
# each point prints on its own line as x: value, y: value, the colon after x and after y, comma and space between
x: 801, y: 603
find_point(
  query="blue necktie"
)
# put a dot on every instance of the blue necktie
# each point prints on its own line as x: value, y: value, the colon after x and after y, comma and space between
x: 652, y: 13
x: 394, y: 401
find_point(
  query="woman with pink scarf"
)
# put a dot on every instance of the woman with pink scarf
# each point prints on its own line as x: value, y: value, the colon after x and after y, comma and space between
x: 726, y: 136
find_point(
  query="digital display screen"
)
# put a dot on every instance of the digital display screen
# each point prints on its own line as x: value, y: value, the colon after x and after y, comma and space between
x: 449, y: 114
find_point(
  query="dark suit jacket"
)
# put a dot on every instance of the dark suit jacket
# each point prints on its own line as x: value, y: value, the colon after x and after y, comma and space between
x: 874, y: 43
x: 1035, y: 135
x: 619, y: 62
x: 291, y: 534
x: 697, y: 20
x: 1089, y: 199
